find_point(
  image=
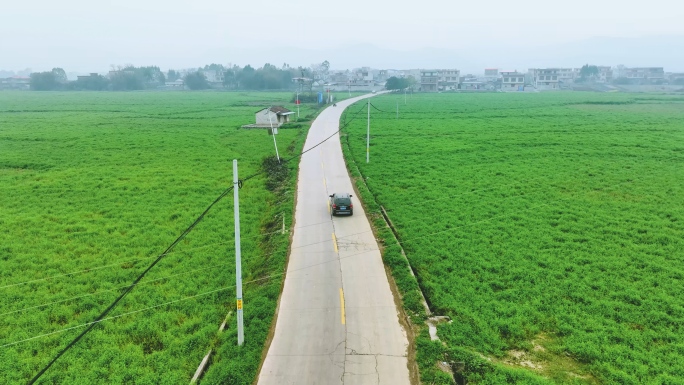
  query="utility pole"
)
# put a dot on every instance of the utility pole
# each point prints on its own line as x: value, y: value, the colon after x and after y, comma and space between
x: 297, y: 105
x: 397, y: 110
x: 368, y: 135
x: 238, y: 257
x: 404, y: 96
x: 273, y: 132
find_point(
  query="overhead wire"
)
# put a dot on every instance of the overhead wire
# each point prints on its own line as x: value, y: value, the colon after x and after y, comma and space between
x: 310, y: 266
x: 162, y: 278
x: 186, y: 298
x: 130, y: 287
x: 111, y: 290
x: 160, y: 257
x: 87, y: 270
x: 373, y: 105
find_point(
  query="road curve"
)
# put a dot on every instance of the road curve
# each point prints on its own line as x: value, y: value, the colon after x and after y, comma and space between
x: 337, y: 322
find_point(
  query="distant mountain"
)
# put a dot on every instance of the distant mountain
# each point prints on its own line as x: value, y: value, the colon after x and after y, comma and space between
x: 653, y: 51
x: 505, y: 54
x: 353, y: 56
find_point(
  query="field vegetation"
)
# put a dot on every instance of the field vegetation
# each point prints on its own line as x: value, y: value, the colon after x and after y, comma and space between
x: 548, y: 227
x: 94, y: 186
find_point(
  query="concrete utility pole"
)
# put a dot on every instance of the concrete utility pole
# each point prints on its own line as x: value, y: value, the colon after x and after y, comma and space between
x: 238, y: 257
x: 274, y: 132
x: 368, y: 135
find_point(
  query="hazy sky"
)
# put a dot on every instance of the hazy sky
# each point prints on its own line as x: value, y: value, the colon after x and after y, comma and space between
x: 83, y: 36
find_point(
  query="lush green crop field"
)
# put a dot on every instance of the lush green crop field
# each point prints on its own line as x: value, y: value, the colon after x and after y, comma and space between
x: 98, y: 185
x: 549, y: 227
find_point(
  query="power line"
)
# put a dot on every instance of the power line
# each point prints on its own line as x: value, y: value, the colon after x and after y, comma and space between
x: 183, y: 299
x: 110, y: 290
x: 159, y: 258
x: 90, y: 324
x: 372, y: 105
x: 129, y: 288
x: 173, y: 275
x: 87, y: 270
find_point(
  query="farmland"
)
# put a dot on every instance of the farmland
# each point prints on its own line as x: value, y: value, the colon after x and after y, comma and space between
x: 93, y: 187
x: 548, y: 227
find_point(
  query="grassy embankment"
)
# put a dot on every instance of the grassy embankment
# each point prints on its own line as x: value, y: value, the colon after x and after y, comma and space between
x: 548, y: 227
x: 98, y: 185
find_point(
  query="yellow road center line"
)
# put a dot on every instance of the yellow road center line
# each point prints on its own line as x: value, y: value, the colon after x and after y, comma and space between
x: 325, y: 184
x: 334, y: 241
x: 342, y: 318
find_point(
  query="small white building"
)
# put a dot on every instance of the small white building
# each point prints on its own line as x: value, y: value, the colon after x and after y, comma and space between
x: 276, y: 115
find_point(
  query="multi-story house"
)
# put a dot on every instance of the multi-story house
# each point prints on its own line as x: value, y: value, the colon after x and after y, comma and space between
x: 605, y: 74
x: 645, y: 74
x: 491, y: 73
x: 545, y: 78
x: 449, y: 79
x: 434, y: 80
x: 512, y: 81
x: 429, y: 80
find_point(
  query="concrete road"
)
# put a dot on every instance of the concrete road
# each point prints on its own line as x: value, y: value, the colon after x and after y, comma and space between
x: 337, y: 321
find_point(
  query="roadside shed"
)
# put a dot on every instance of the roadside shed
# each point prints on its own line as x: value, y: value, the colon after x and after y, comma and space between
x: 276, y: 114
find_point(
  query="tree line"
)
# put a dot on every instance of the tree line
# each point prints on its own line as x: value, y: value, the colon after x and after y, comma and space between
x: 131, y: 78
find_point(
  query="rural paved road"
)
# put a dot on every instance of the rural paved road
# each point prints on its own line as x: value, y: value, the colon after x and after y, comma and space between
x: 337, y: 321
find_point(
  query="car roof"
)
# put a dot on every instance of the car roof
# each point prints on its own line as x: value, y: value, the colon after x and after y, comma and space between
x: 342, y: 195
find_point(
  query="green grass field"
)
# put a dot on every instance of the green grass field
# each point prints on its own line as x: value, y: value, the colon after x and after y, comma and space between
x: 98, y: 185
x: 549, y: 227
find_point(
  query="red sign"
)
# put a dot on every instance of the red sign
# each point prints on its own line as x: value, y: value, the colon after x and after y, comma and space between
x: 297, y: 101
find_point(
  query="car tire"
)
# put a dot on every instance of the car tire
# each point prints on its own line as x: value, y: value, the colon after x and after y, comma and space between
x: 351, y: 213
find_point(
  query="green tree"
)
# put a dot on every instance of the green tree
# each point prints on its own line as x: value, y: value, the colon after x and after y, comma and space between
x: 91, y: 83
x: 395, y: 83
x: 411, y: 81
x: 196, y: 81
x: 60, y: 75
x: 127, y: 80
x: 588, y: 72
x: 214, y: 67
x: 43, y: 81
x: 172, y: 75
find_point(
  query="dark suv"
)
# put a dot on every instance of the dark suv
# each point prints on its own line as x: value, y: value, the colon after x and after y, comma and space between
x: 341, y: 204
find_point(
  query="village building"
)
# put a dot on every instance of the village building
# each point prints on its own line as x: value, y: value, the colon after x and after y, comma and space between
x: 491, y: 73
x: 473, y: 85
x: 449, y: 79
x: 429, y: 80
x: 567, y: 76
x: 605, y: 74
x: 675, y: 77
x: 433, y: 80
x: 215, y: 78
x: 93, y: 75
x: 274, y: 116
x: 646, y: 75
x: 545, y: 78
x: 512, y: 81
x: 22, y: 83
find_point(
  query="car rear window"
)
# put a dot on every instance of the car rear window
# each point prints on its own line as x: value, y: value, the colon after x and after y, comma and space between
x: 343, y: 201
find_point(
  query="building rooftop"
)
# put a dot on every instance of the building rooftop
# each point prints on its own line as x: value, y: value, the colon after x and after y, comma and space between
x: 279, y: 110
